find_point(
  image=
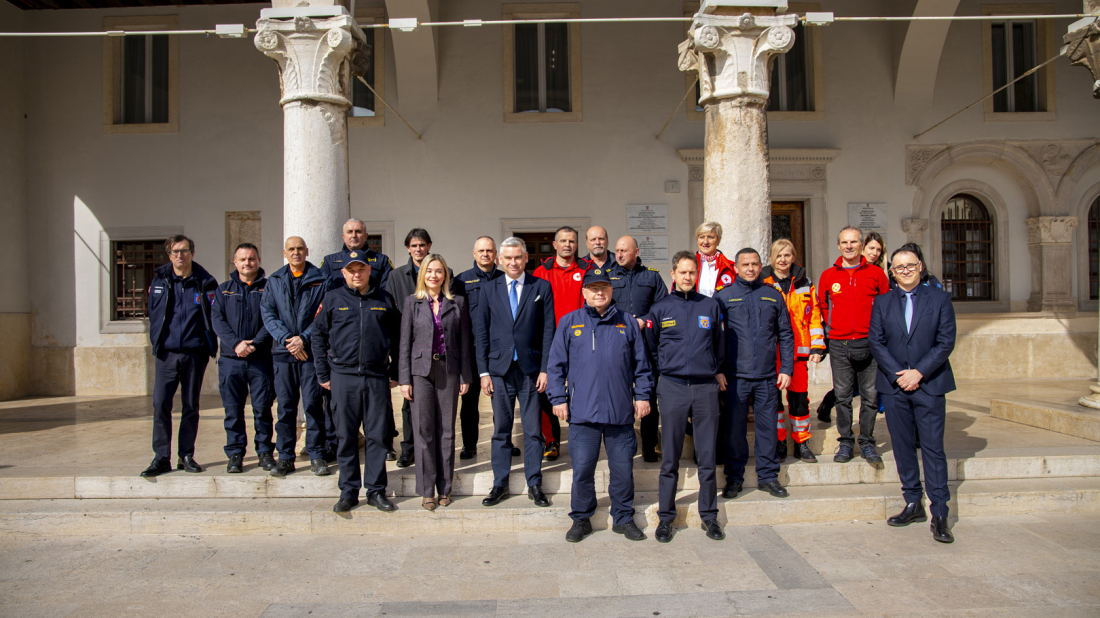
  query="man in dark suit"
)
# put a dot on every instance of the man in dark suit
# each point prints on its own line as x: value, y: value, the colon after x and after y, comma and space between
x: 513, y: 332
x: 911, y: 335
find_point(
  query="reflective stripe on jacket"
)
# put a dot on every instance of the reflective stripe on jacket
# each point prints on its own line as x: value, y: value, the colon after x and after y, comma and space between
x: 801, y: 299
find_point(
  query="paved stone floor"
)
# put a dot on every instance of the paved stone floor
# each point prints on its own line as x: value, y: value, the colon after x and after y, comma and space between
x: 1039, y: 565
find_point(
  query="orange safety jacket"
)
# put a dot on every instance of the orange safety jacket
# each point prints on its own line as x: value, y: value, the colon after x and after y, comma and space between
x: 809, y: 335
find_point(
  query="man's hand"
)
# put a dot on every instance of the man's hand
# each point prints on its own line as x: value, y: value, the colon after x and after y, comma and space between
x: 244, y: 348
x: 909, y: 379
x: 721, y: 377
x: 561, y: 411
x: 641, y: 409
x: 407, y: 391
x: 327, y: 385
x: 540, y: 384
x: 393, y: 384
x: 641, y: 323
x: 487, y: 385
x: 463, y: 389
x: 295, y: 346
x: 815, y: 358
x: 784, y: 381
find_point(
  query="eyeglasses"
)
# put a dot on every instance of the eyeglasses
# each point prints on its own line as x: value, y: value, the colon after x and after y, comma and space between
x: 179, y: 251
x: 906, y: 268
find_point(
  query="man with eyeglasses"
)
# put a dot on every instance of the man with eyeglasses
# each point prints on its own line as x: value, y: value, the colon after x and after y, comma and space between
x: 183, y: 339
x: 912, y: 334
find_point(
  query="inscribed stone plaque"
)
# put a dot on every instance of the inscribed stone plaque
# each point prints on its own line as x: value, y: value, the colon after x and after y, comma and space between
x: 647, y: 219
x: 867, y: 217
x: 653, y: 249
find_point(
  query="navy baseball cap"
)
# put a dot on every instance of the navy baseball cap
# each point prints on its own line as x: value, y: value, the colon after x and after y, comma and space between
x: 356, y: 256
x: 596, y: 275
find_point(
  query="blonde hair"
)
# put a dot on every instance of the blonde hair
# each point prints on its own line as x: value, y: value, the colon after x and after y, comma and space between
x: 422, y: 288
x: 780, y: 245
x: 709, y: 226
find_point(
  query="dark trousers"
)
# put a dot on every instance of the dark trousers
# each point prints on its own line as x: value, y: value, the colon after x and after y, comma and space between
x: 584, y: 451
x: 470, y: 417
x: 764, y: 398
x: 649, y: 426
x: 909, y: 416
x: 434, y: 408
x: 175, y: 369
x: 853, y: 365
x: 236, y: 378
x: 506, y: 389
x: 360, y: 403
x: 330, y: 419
x: 408, y: 428
x: 678, y: 400
x: 294, y: 380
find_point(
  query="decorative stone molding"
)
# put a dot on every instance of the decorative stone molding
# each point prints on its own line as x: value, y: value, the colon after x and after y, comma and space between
x: 1083, y: 49
x: 1050, y: 230
x: 316, y: 57
x: 1055, y: 157
x: 785, y: 163
x: 914, y: 229
x: 916, y: 157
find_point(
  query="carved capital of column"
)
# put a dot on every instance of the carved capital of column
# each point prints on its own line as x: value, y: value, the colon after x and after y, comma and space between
x: 1050, y: 230
x: 914, y: 229
x: 316, y: 56
x: 732, y: 54
x: 1083, y: 49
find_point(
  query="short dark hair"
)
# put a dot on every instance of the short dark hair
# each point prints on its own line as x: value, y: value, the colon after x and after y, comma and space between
x: 683, y: 255
x: 247, y: 246
x: 745, y: 251
x: 178, y: 238
x: 418, y: 233
x: 908, y: 247
x: 566, y: 228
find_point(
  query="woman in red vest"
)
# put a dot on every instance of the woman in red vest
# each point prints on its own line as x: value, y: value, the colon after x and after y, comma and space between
x: 716, y: 271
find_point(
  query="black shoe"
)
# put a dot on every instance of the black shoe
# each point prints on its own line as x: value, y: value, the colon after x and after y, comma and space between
x: 330, y: 455
x: 516, y: 452
x: 187, y: 464
x: 282, y: 468
x: 318, y: 467
x: 391, y: 455
x: 773, y: 488
x: 803, y: 452
x: 843, y: 453
x: 911, y: 513
x: 940, y: 531
x: 534, y: 492
x: 868, y: 452
x: 714, y: 530
x: 650, y: 457
x: 235, y: 465
x: 630, y: 530
x: 405, y: 460
x: 496, y: 495
x: 267, y: 462
x: 580, y: 529
x: 467, y: 453
x: 781, y: 450
x: 731, y: 490
x: 345, y: 505
x: 663, y: 533
x: 378, y: 500
x: 156, y: 468
x: 551, y: 453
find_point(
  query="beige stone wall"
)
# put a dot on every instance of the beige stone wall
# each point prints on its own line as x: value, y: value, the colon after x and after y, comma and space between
x: 51, y: 372
x: 15, y: 371
x: 1022, y: 346
x: 124, y: 370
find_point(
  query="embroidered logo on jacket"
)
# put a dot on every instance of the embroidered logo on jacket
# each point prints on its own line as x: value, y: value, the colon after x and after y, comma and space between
x: 704, y: 322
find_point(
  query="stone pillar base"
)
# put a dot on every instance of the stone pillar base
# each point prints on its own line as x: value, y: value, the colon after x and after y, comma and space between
x: 1093, y: 400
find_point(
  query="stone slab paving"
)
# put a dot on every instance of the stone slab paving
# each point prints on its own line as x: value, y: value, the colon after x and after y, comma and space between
x: 1004, y: 566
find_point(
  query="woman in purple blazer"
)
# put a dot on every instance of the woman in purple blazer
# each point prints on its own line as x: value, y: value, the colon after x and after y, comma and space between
x: 434, y: 368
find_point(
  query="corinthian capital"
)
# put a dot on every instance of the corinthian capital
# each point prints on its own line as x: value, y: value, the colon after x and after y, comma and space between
x: 732, y: 54
x: 315, y: 56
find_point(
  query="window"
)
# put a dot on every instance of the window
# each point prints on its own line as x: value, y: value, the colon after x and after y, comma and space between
x: 366, y: 109
x: 1012, y: 48
x: 967, y: 239
x: 542, y: 81
x: 134, y: 262
x: 140, y: 81
x: 1094, y: 250
x: 790, y: 88
x: 374, y: 243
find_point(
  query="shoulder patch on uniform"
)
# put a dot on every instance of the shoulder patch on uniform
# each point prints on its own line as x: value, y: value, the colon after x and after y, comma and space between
x: 668, y: 323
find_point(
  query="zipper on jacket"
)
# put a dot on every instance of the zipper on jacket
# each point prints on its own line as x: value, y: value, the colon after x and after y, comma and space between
x: 362, y: 331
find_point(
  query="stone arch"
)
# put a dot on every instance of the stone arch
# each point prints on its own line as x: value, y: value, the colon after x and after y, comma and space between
x: 919, y: 61
x: 1086, y: 162
x: 1081, y: 240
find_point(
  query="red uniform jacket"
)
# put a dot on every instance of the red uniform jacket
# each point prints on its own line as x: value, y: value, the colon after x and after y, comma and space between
x: 846, y: 297
x: 566, y: 283
x: 727, y: 271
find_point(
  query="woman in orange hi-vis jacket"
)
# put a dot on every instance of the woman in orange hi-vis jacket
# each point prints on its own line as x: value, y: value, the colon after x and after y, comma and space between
x: 809, y: 341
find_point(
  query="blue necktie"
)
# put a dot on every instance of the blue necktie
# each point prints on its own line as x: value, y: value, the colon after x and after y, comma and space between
x: 909, y: 312
x: 513, y: 300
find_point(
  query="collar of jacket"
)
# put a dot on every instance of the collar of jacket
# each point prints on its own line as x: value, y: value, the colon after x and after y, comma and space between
x: 608, y: 264
x: 371, y: 292
x: 839, y: 263
x: 311, y: 273
x: 684, y: 295
x: 198, y: 273
x: 551, y: 263
x: 236, y: 276
x: 796, y: 275
x: 493, y: 273
x: 755, y: 284
x: 610, y: 314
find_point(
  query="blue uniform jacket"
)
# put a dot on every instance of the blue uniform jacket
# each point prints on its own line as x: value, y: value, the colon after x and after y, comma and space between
x: 470, y: 284
x: 926, y: 347
x: 634, y: 291
x: 599, y: 366
x: 333, y: 267
x: 161, y: 294
x: 684, y: 333
x: 529, y: 336
x: 289, y: 306
x: 757, y: 322
x: 356, y: 334
x: 236, y: 315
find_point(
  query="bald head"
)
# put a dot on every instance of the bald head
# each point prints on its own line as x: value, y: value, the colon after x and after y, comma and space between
x: 626, y: 252
x: 296, y: 252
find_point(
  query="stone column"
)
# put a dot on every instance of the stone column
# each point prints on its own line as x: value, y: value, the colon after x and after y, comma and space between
x: 1050, y: 242
x: 315, y: 56
x: 731, y: 46
x: 1083, y: 44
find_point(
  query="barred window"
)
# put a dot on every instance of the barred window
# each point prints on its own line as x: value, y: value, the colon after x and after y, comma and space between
x: 1094, y: 250
x: 135, y: 261
x: 967, y: 233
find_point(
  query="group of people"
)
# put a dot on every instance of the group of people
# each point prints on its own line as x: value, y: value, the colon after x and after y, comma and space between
x: 596, y: 341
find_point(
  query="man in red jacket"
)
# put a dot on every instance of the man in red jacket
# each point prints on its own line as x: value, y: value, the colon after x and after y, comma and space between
x: 846, y: 292
x: 565, y: 272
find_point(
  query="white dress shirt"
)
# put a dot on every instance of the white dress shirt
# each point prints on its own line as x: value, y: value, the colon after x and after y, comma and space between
x: 708, y: 277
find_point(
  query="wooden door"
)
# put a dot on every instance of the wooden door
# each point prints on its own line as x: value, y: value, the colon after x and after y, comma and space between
x: 787, y: 223
x: 539, y: 247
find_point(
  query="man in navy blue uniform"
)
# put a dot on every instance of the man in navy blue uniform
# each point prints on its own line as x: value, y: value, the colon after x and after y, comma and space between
x: 684, y: 332
x: 290, y: 302
x: 600, y: 381
x: 757, y: 323
x: 355, y: 346
x: 245, y: 361
x: 183, y: 342
x: 513, y: 332
x: 635, y: 288
x: 912, y: 334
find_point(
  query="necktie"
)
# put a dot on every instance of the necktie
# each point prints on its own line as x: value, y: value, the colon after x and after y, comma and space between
x: 909, y: 312
x: 513, y: 300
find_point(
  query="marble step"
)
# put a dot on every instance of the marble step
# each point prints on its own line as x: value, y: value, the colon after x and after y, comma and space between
x: 476, y: 478
x: 240, y: 516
